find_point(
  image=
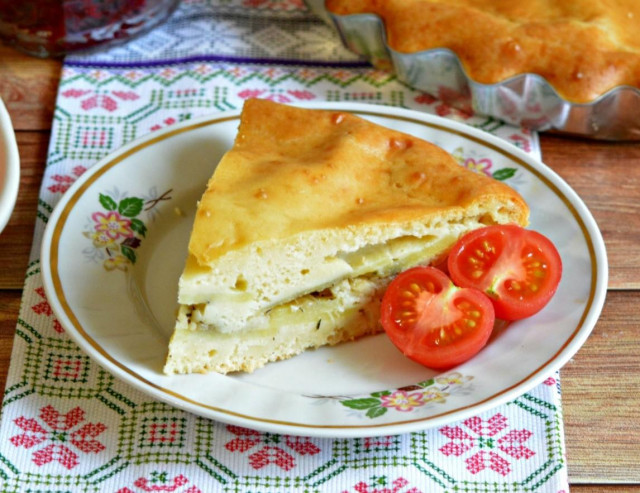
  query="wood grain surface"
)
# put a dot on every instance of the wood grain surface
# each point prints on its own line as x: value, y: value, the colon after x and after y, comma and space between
x: 601, y: 400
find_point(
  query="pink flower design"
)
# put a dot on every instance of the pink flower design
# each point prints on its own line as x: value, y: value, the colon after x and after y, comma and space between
x: 112, y: 224
x: 63, y: 431
x: 95, y: 100
x: 494, y: 448
x: 94, y: 137
x: 159, y: 481
x: 425, y: 98
x: 44, y: 308
x: 448, y: 102
x: 378, y: 442
x: 166, y: 121
x: 277, y: 96
x: 458, y: 101
x: 454, y: 378
x: 402, y: 400
x: 63, y: 182
x: 481, y: 165
x: 269, y: 452
x: 301, y: 445
x: 397, y: 486
x: 521, y: 142
x: 268, y: 455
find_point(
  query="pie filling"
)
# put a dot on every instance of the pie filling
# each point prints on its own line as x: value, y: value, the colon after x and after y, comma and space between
x: 340, y: 283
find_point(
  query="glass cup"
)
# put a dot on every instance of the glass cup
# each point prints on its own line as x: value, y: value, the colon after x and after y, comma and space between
x: 51, y: 28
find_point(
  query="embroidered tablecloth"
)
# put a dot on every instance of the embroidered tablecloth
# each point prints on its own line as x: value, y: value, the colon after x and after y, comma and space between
x: 67, y: 425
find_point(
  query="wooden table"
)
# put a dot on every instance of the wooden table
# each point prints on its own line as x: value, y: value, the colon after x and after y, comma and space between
x: 601, y: 384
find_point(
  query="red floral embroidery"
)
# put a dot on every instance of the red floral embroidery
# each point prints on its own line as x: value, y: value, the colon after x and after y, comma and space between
x: 246, y: 440
x: 521, y: 142
x: 166, y: 121
x: 487, y: 448
x: 272, y: 455
x: 280, y: 97
x: 99, y: 100
x: 63, y: 431
x: 425, y: 98
x: 269, y: 451
x: 163, y: 433
x: 67, y: 369
x: 550, y: 381
x: 63, y: 182
x: 450, y: 102
x: 378, y: 442
x: 159, y: 481
x: 397, y: 486
x: 44, y: 308
x: 301, y: 445
x: 94, y: 137
x: 459, y: 101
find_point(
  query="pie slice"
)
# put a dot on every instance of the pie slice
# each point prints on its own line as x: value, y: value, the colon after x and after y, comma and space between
x: 302, y: 226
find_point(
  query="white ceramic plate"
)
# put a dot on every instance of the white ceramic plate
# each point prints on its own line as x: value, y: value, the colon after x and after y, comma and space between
x: 148, y: 190
x: 9, y: 167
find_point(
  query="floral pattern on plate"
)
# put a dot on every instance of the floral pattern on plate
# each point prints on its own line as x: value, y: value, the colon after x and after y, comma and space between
x: 117, y: 230
x: 406, y: 399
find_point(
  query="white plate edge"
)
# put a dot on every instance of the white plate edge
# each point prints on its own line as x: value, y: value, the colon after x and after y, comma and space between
x: 11, y: 185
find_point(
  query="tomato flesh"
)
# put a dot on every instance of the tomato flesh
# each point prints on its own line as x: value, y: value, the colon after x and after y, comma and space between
x: 434, y: 322
x: 519, y: 269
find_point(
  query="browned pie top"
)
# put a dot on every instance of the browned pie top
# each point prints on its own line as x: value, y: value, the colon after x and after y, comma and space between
x: 582, y: 47
x: 293, y: 170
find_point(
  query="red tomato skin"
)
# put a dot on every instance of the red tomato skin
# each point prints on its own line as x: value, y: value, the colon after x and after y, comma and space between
x: 410, y: 338
x: 508, y: 238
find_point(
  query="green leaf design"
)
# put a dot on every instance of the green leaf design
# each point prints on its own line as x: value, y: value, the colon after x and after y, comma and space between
x: 129, y: 253
x: 108, y: 203
x: 138, y: 226
x: 375, y: 412
x: 504, y: 173
x: 427, y: 383
x: 381, y: 393
x: 130, y: 207
x: 361, y: 404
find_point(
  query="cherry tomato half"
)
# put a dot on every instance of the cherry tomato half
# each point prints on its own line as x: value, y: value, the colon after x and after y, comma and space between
x: 434, y: 322
x: 517, y: 268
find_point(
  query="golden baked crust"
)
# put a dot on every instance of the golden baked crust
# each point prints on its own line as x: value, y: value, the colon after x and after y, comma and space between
x: 294, y: 170
x: 583, y: 48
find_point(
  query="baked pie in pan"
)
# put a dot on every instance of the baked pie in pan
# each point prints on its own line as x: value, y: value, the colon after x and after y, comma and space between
x: 570, y: 66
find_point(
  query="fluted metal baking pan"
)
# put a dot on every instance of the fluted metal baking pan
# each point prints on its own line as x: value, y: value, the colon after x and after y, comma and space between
x: 526, y: 99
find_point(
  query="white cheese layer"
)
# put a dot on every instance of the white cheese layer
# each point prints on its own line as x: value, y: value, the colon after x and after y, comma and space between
x: 241, y: 308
